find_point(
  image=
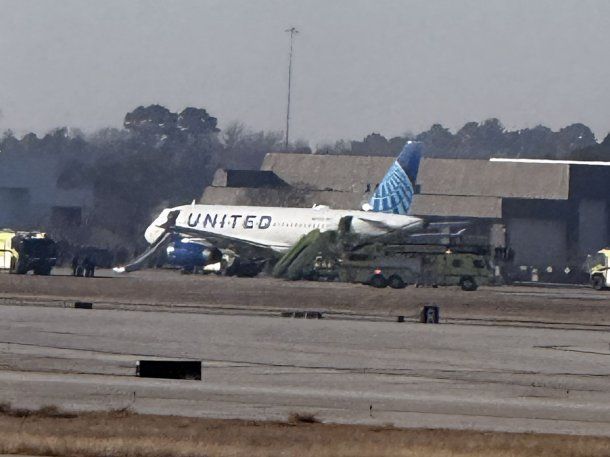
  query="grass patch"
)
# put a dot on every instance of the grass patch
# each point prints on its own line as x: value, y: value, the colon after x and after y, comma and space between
x: 52, y: 432
x: 51, y: 411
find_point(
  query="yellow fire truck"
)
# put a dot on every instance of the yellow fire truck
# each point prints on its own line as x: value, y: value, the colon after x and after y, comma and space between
x: 21, y: 252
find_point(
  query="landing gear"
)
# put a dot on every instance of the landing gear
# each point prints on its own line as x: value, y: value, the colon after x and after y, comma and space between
x: 598, y: 282
x: 379, y: 281
x: 43, y: 271
x: 396, y: 282
x: 468, y: 283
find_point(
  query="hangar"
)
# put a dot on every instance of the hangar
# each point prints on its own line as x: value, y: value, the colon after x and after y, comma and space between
x: 31, y: 198
x: 548, y: 214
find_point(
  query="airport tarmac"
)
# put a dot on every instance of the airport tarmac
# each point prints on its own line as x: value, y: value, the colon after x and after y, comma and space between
x: 170, y: 291
x: 263, y: 367
x: 506, y: 359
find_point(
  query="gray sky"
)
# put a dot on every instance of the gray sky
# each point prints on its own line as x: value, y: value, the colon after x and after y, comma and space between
x: 360, y: 66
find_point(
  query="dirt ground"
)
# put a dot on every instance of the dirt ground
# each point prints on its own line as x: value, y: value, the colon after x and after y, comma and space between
x: 159, y: 288
x: 52, y: 432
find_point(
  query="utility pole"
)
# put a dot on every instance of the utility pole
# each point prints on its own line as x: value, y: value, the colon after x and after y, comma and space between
x: 293, y: 31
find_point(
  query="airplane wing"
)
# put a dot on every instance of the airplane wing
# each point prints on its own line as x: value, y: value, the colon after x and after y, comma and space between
x: 170, y: 230
x: 432, y: 236
x: 222, y: 239
x: 374, y: 223
x: 449, y: 224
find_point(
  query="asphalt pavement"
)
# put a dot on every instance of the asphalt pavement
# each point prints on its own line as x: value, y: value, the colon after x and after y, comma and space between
x: 490, y: 377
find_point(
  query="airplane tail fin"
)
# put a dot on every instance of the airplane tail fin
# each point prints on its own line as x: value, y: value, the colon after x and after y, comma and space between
x: 394, y: 193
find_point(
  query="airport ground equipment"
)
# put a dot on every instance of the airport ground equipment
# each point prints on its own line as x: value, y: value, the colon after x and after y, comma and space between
x: 332, y: 255
x: 430, y: 314
x: 21, y: 252
x: 299, y: 262
x: 421, y: 264
x: 397, y: 266
x: 597, y: 266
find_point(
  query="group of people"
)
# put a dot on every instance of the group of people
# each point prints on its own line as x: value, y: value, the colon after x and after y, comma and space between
x: 86, y: 267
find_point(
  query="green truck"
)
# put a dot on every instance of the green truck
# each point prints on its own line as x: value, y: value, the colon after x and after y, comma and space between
x: 422, y: 265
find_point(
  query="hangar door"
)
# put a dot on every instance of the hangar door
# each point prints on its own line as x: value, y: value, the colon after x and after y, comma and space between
x: 14, y: 203
x: 592, y: 226
x: 537, y: 242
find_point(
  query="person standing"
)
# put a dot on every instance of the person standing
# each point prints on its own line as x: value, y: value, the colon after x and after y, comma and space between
x: 75, y: 262
x: 87, y: 266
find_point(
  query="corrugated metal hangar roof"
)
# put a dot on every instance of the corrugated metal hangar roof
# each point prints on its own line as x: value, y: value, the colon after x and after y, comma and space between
x: 494, y: 179
x: 288, y: 197
x: 328, y: 172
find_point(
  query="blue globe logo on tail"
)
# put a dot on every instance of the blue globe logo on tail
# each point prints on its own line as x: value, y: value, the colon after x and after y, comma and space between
x: 394, y: 193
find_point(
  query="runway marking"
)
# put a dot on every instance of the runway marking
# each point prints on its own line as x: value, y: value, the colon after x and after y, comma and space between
x: 568, y: 349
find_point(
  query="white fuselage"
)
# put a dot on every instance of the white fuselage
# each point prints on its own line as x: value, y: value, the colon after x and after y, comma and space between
x: 277, y: 228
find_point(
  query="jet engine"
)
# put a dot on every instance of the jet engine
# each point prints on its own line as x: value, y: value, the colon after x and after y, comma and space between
x: 188, y: 254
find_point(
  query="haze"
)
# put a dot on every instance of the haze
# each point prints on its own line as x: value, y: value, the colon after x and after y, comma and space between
x: 360, y: 66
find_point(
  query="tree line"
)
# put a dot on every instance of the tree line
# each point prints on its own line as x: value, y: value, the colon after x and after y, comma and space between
x: 487, y: 139
x: 162, y: 158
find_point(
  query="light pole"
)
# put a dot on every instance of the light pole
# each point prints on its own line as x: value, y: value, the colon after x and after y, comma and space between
x: 293, y: 31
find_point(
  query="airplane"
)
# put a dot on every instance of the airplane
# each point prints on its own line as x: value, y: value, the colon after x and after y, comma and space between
x: 191, y: 234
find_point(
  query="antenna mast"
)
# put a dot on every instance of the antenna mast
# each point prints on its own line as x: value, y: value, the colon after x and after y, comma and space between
x: 293, y: 31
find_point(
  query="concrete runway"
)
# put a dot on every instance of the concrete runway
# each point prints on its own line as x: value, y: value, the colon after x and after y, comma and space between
x: 505, y: 378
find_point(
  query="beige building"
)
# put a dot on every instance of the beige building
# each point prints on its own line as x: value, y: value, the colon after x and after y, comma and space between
x: 548, y: 214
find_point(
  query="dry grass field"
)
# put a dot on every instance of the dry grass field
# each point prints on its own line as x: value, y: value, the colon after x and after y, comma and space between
x: 52, y: 432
